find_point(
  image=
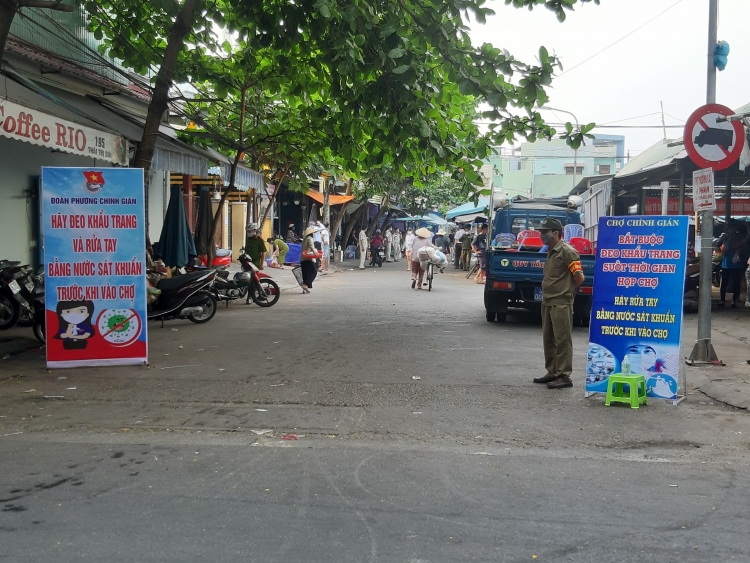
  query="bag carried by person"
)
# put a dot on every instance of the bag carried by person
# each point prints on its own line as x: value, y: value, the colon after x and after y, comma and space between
x: 312, y: 254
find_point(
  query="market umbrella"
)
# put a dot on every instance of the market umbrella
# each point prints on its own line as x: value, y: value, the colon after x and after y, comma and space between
x: 176, y: 241
x: 205, y: 218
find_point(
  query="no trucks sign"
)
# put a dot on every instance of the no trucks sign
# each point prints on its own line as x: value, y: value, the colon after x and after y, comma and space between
x: 711, y: 143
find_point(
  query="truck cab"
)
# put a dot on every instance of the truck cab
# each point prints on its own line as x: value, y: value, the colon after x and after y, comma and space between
x: 515, y: 264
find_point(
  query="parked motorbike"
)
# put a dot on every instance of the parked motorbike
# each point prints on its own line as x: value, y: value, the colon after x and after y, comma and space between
x: 40, y: 312
x: 12, y: 302
x: 222, y: 259
x: 188, y: 296
x: 262, y: 289
x: 232, y: 289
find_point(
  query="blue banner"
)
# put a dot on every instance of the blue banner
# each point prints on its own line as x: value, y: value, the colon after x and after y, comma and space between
x: 95, y: 266
x: 639, y: 281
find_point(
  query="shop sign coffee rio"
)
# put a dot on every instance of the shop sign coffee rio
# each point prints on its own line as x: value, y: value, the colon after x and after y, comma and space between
x: 39, y: 128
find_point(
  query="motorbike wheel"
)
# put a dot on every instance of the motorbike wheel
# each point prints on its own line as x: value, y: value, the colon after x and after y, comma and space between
x: 10, y: 311
x: 39, y: 331
x: 27, y: 317
x: 209, y: 304
x: 270, y: 293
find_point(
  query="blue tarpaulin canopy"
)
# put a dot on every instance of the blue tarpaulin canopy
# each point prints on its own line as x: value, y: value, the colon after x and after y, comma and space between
x: 176, y: 244
x: 468, y: 208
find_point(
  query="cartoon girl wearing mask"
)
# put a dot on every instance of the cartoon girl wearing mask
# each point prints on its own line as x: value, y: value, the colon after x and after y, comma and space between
x: 74, y: 322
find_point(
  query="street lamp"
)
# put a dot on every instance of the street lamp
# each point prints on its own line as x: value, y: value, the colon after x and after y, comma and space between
x: 575, y: 151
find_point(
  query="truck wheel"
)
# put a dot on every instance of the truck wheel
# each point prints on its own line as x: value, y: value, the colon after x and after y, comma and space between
x: 580, y: 320
x: 490, y: 316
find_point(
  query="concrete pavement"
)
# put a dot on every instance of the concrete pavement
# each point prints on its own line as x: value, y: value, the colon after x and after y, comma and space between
x: 363, y: 422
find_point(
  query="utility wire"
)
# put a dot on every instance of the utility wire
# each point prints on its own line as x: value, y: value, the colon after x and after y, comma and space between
x: 619, y: 40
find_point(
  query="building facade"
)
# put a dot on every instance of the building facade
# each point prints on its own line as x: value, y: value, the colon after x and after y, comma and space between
x: 551, y: 168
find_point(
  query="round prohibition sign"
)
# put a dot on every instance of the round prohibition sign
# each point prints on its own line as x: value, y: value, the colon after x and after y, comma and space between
x: 711, y: 143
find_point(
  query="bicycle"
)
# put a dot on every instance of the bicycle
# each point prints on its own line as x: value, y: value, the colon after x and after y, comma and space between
x: 431, y: 274
x: 475, y: 268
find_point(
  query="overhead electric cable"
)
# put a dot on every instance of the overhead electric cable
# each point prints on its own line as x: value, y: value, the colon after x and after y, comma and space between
x: 619, y: 40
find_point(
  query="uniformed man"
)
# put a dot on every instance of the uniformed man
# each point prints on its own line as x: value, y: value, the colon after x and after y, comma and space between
x: 562, y: 275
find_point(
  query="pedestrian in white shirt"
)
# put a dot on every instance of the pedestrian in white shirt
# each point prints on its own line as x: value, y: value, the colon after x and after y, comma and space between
x: 388, y: 244
x: 325, y: 238
x: 408, y: 242
x: 396, y: 245
x: 363, y: 244
x: 457, y: 248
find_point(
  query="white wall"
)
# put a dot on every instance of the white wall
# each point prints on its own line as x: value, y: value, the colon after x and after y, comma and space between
x: 20, y: 169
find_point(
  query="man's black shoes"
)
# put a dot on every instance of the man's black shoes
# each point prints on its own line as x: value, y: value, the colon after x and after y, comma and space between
x: 546, y: 379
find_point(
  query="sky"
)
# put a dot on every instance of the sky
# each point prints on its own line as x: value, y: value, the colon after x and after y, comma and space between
x: 663, y: 61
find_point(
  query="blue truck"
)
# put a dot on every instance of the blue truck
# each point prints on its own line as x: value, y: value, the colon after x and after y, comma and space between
x: 514, y: 277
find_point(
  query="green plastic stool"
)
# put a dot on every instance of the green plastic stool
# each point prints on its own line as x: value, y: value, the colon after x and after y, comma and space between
x: 616, y: 390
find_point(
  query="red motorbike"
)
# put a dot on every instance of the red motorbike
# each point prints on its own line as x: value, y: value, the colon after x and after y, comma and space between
x: 262, y: 289
x: 222, y: 259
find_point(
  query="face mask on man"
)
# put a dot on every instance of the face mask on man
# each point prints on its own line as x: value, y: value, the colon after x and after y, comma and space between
x: 548, y: 237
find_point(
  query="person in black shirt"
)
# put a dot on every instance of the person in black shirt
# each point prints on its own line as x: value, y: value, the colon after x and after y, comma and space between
x: 479, y: 245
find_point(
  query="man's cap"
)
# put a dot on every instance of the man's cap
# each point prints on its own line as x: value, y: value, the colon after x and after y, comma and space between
x: 551, y: 224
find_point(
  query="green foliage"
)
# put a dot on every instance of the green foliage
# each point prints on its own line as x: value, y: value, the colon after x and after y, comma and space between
x: 349, y: 84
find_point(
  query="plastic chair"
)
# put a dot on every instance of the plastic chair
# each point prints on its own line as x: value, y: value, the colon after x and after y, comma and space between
x: 616, y: 390
x: 531, y: 239
x: 582, y: 245
x: 351, y: 252
x: 571, y: 231
x: 504, y: 239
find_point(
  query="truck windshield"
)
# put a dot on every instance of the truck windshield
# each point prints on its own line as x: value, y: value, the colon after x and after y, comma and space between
x: 528, y: 222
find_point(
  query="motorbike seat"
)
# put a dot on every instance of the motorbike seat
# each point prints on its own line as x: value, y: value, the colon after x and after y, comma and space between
x: 221, y: 252
x: 169, y: 284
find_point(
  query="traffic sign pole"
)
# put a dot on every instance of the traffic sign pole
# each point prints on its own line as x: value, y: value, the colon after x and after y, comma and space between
x: 703, y: 351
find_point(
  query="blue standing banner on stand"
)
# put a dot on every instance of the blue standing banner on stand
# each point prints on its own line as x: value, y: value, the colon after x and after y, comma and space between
x: 639, y: 283
x: 95, y: 266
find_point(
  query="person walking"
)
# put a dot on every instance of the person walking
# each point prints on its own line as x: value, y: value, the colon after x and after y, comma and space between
x: 466, y: 240
x: 317, y: 239
x: 408, y: 242
x: 308, y: 259
x: 563, y: 274
x: 479, y: 245
x: 325, y: 237
x: 421, y: 240
x: 255, y: 246
x: 388, y: 244
x: 397, y: 245
x: 363, y: 244
x: 732, y: 264
x: 457, y: 247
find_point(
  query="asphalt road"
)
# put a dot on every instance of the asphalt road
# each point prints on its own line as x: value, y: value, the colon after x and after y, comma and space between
x: 194, y: 459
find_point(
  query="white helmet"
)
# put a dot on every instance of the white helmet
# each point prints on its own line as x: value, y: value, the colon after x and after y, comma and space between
x: 251, y: 227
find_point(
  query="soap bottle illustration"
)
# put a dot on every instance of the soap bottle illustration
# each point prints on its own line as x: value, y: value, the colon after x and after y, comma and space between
x: 626, y: 365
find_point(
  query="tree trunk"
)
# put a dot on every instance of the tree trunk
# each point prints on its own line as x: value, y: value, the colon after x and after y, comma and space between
x: 8, y: 9
x: 232, y: 179
x: 160, y: 97
x: 275, y: 195
x: 353, y: 220
x: 388, y: 218
x: 378, y: 215
x: 340, y: 215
